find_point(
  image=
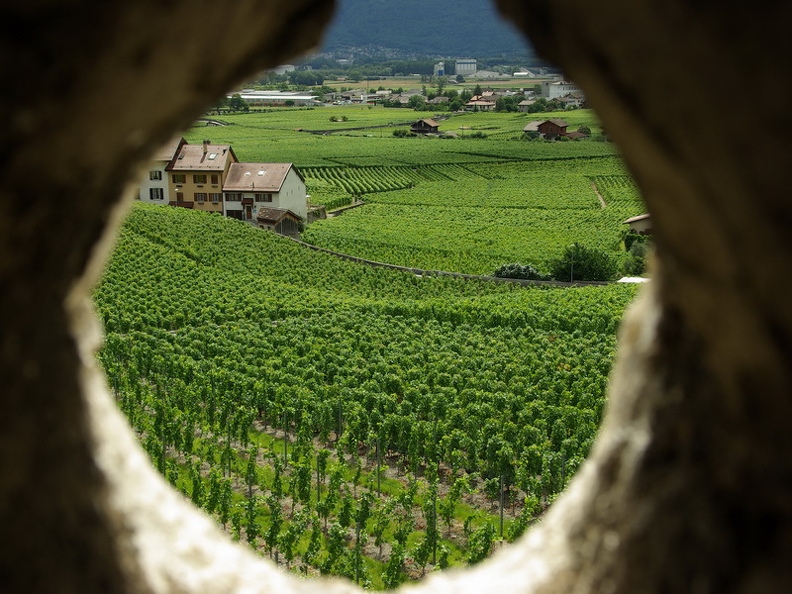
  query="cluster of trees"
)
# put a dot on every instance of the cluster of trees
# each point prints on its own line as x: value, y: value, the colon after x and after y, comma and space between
x: 232, y: 103
x: 582, y: 263
x: 638, y: 247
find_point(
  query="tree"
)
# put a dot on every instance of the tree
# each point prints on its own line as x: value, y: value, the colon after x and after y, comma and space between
x: 579, y: 262
x: 416, y: 102
x: 236, y: 103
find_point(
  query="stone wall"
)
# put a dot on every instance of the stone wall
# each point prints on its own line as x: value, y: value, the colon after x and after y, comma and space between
x: 689, y: 486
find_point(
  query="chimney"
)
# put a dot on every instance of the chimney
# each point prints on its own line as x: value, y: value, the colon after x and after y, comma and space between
x: 205, y: 145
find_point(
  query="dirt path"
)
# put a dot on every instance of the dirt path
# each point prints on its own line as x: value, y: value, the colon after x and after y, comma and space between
x: 596, y: 191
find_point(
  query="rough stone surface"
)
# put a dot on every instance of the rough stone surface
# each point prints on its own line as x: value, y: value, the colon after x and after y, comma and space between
x: 689, y: 486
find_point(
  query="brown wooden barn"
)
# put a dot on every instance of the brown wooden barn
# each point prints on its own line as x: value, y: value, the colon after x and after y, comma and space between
x: 282, y: 221
x: 425, y: 126
x: 553, y: 128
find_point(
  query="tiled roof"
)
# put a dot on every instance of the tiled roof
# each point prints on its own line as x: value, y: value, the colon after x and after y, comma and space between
x: 256, y: 177
x: 641, y: 217
x: 275, y: 215
x: 167, y: 151
x: 203, y: 157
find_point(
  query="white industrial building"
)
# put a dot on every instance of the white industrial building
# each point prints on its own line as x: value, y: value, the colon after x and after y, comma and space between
x: 465, y: 67
x: 558, y: 88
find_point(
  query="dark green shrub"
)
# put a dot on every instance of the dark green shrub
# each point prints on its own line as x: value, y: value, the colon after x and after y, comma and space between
x: 635, y: 264
x: 515, y: 270
x: 579, y: 262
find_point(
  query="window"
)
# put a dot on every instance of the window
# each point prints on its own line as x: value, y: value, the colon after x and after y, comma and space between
x: 200, y: 196
x: 215, y: 179
x: 155, y: 175
x: 199, y: 179
x: 263, y: 197
x: 156, y: 194
x: 233, y: 196
x: 179, y: 178
x: 216, y: 197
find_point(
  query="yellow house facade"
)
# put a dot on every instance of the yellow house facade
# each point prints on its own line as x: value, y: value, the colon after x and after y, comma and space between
x: 196, y: 176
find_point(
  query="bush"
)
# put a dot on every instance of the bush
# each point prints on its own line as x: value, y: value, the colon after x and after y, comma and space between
x: 635, y: 264
x: 579, y: 262
x: 631, y: 237
x: 526, y: 271
x: 403, y: 133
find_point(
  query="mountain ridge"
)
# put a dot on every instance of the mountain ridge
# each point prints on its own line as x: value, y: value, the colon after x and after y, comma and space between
x: 459, y: 28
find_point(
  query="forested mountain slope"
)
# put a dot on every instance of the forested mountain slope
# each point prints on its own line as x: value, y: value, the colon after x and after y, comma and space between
x: 462, y: 28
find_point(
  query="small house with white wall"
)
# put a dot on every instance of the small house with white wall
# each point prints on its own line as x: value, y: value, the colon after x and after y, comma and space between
x: 640, y: 224
x: 154, y: 182
x: 252, y: 187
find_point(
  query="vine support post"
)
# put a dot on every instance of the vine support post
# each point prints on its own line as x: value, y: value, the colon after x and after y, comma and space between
x: 501, y: 505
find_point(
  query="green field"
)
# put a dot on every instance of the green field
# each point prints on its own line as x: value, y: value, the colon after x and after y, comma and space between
x: 480, y: 217
x: 282, y: 135
x: 462, y: 204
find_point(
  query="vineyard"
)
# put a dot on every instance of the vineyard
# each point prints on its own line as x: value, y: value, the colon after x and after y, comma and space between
x: 473, y: 218
x: 461, y: 204
x: 285, y: 136
x: 350, y: 420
